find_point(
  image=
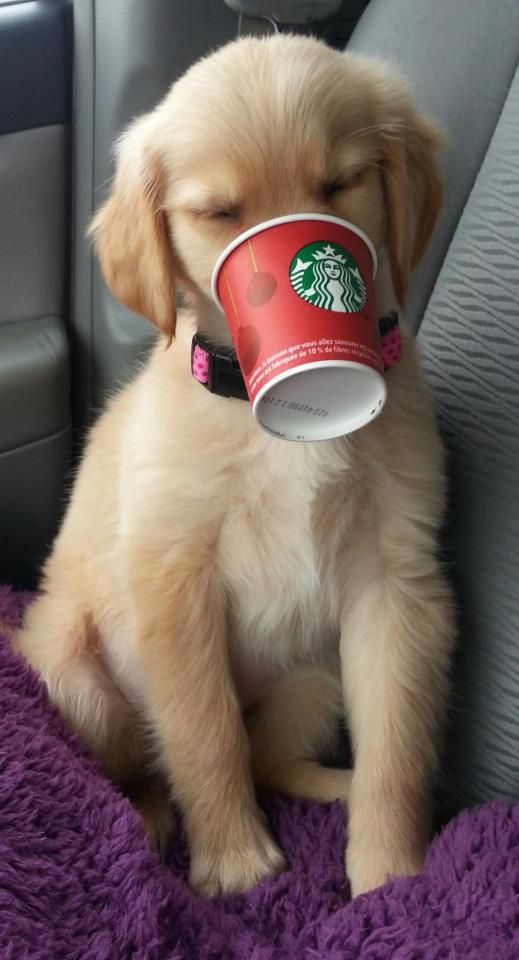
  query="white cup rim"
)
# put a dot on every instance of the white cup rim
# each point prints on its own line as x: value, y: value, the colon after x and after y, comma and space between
x: 348, y: 426
x: 277, y: 221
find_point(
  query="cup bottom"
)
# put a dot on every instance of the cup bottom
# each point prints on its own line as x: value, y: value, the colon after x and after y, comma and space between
x: 320, y: 401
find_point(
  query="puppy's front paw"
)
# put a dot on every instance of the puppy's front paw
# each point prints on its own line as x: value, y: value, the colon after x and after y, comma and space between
x: 237, y: 865
x: 368, y: 867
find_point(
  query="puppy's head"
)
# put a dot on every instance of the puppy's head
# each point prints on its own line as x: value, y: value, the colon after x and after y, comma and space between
x: 260, y: 129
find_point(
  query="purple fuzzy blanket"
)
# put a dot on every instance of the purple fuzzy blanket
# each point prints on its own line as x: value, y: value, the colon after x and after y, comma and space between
x: 77, y: 880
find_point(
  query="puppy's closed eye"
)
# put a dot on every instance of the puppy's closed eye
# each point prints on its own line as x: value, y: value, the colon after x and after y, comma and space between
x: 347, y: 181
x: 199, y: 202
x: 224, y: 214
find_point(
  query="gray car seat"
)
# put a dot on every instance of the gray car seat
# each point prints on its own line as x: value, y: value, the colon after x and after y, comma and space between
x: 35, y: 104
x: 462, y: 60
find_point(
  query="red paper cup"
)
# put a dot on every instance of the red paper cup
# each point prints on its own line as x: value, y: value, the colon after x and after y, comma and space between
x: 297, y: 293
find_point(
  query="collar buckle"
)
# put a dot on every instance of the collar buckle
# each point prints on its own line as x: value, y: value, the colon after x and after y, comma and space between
x: 217, y: 368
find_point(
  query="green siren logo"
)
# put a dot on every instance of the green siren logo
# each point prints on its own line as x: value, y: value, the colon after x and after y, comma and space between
x: 327, y: 276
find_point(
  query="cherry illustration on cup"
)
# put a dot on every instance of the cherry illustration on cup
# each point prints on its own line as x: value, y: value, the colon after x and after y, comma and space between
x: 248, y: 347
x: 261, y: 288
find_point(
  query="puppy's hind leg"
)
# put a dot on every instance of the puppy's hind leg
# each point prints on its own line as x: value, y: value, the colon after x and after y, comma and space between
x: 60, y: 641
x: 290, y: 728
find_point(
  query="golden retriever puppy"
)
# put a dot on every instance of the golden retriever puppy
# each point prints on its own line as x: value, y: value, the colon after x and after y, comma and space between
x: 216, y: 597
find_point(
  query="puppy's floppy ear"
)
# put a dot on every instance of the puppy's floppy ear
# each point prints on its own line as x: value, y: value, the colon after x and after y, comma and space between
x: 131, y: 234
x: 413, y: 193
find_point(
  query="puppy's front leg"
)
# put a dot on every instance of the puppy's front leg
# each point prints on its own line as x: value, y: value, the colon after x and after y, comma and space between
x: 180, y: 629
x: 396, y: 637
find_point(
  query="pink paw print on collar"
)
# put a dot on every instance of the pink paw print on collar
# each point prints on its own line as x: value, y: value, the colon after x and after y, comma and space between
x: 391, y: 347
x: 200, y: 364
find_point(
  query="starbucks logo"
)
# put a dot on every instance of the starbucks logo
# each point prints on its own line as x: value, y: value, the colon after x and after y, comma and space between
x: 327, y: 276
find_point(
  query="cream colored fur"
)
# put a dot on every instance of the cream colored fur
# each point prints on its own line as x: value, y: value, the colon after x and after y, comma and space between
x: 216, y: 598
